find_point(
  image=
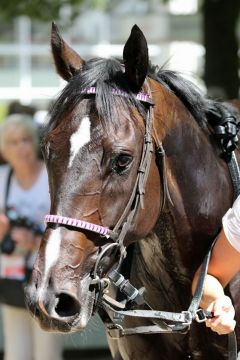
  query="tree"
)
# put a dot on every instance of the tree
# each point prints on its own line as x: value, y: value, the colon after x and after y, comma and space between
x: 43, y: 10
x: 221, y: 44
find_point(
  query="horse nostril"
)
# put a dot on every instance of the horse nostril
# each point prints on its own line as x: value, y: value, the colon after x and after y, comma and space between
x: 67, y: 305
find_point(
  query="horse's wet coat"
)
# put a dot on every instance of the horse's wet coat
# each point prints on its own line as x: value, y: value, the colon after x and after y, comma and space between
x: 93, y: 148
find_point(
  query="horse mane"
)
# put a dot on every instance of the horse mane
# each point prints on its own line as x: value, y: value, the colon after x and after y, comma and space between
x: 185, y: 90
x: 108, y: 74
x: 198, y: 104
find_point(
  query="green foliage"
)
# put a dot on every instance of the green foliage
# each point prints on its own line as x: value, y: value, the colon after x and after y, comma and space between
x: 48, y: 10
x: 43, y: 10
x: 3, y: 111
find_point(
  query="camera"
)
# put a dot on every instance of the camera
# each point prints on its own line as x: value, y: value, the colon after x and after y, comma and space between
x: 7, y: 245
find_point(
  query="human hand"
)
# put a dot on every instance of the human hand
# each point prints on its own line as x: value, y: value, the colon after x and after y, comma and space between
x: 23, y: 237
x: 4, y: 225
x: 223, y: 321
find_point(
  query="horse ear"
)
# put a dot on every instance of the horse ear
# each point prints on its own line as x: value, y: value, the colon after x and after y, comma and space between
x: 135, y: 57
x: 67, y: 61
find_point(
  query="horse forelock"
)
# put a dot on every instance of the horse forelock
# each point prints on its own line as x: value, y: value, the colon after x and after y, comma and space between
x: 106, y: 75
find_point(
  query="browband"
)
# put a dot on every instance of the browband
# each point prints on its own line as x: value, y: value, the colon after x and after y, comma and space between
x: 139, y: 96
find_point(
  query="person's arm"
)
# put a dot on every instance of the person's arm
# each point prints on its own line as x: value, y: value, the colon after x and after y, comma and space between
x: 225, y: 260
x: 224, y: 264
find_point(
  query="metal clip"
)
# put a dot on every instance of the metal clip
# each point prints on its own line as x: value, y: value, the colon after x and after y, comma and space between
x: 202, y: 315
x: 105, y: 284
x: 115, y: 331
x: 188, y: 317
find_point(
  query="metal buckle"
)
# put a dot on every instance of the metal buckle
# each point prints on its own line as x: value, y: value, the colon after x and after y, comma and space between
x: 188, y: 316
x: 105, y: 284
x: 115, y: 331
x: 183, y: 328
x: 200, y: 316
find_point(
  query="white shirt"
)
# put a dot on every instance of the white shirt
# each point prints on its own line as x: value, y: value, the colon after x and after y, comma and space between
x: 33, y: 203
x: 231, y: 224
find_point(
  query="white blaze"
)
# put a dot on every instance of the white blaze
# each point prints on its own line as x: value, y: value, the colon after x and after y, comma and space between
x: 79, y: 138
x: 52, y: 251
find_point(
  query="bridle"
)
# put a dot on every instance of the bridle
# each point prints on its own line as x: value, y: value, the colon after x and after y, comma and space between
x: 164, y: 322
x: 136, y: 200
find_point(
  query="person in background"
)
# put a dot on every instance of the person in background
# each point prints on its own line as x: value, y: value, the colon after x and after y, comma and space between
x: 223, y: 266
x: 28, y: 197
x: 15, y: 107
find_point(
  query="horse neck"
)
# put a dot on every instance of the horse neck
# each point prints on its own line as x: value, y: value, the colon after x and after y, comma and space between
x: 198, y: 179
x: 158, y: 267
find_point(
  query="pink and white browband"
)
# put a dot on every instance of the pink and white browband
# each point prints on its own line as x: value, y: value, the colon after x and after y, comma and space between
x: 58, y: 219
x: 140, y: 96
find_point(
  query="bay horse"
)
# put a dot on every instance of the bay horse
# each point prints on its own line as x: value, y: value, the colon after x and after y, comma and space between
x: 93, y: 149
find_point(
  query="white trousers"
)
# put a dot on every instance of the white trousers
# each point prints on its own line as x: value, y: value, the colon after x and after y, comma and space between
x: 25, y: 340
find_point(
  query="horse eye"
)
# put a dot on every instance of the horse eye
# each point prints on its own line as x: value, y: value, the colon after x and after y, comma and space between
x: 121, y: 163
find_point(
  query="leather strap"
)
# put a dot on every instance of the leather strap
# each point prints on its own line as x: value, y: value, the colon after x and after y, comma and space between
x: 126, y: 220
x: 235, y: 174
x: 232, y: 346
x: 117, y: 332
x: 8, y: 182
x: 193, y: 307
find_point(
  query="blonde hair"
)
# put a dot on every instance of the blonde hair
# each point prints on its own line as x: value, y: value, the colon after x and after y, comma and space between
x: 18, y: 121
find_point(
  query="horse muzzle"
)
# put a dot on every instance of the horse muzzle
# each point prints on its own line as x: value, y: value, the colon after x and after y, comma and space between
x: 59, y: 311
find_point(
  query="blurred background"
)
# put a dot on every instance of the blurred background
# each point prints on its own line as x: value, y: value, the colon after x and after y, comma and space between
x: 199, y: 38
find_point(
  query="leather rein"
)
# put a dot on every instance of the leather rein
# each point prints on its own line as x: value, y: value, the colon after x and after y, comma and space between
x: 164, y: 322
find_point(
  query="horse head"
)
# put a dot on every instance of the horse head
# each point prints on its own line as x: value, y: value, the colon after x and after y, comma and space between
x: 94, y: 151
